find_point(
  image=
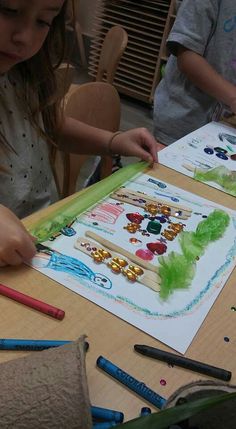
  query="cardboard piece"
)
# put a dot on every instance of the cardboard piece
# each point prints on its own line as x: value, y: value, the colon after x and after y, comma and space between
x: 46, y: 389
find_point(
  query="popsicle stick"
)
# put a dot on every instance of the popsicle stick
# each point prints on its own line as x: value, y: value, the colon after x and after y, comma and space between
x: 112, y: 246
x: 140, y: 200
x: 189, y: 167
x: 144, y: 279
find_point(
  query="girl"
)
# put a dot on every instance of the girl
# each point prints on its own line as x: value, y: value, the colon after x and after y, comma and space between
x: 31, y: 48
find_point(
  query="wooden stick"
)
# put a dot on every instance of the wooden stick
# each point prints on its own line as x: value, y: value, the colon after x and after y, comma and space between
x: 132, y: 197
x: 150, y: 282
x: 121, y: 251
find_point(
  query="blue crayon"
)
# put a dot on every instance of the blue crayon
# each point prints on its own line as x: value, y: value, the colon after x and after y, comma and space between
x: 104, y: 425
x: 32, y: 345
x: 107, y: 415
x: 145, y: 411
x: 136, y: 386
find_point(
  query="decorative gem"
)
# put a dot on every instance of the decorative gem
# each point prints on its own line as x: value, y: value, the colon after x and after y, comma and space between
x: 133, y: 272
x: 132, y: 227
x: 119, y: 261
x: 144, y: 254
x: 226, y: 339
x: 154, y: 227
x: 222, y: 156
x: 233, y: 308
x: 135, y: 217
x: 161, y: 219
x: 117, y: 265
x: 178, y: 213
x: 157, y: 248
x: 165, y: 210
x: 152, y: 208
x: 68, y: 231
x: 209, y: 151
x: 100, y: 255
x: 169, y: 235
x: 163, y: 382
x: 220, y: 149
x: 135, y: 241
x: 176, y: 227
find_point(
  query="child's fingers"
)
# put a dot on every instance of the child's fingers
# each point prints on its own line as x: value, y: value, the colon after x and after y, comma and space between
x: 11, y: 257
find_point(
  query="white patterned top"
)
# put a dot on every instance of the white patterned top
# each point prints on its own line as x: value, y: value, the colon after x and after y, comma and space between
x: 28, y: 184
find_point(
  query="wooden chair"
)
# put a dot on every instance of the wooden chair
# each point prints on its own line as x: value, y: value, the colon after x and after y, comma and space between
x: 113, y: 47
x: 96, y: 104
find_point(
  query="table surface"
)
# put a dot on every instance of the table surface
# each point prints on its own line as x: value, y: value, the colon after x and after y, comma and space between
x: 112, y: 337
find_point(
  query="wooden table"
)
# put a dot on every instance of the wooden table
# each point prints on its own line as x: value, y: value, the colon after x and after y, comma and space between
x: 114, y: 338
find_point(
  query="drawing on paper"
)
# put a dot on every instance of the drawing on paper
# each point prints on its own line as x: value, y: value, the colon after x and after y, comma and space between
x: 175, y: 236
x: 207, y: 154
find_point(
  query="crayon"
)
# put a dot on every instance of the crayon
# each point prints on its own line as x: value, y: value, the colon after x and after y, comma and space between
x: 106, y: 414
x: 183, y: 362
x: 136, y: 386
x: 32, y: 345
x: 104, y: 425
x: 32, y: 302
x: 145, y: 411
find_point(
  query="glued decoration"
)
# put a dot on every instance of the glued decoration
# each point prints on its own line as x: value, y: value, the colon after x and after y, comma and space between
x: 135, y: 241
x: 132, y: 273
x: 177, y: 271
x: 132, y: 227
x: 117, y: 265
x: 100, y: 255
x: 135, y: 217
x: 176, y: 227
x: 152, y: 208
x: 154, y: 227
x: 144, y: 254
x: 169, y: 235
x: 157, y: 248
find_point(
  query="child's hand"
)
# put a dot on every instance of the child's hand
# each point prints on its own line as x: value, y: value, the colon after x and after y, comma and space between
x: 16, y: 244
x: 136, y: 142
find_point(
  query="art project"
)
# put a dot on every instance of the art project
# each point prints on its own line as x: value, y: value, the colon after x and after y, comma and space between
x: 150, y: 253
x: 208, y: 155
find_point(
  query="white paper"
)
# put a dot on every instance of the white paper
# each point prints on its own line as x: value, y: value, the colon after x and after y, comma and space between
x: 190, y: 152
x: 175, y: 321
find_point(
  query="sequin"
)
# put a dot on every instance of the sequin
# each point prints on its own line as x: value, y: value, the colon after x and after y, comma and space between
x: 226, y: 339
x: 163, y: 382
x: 135, y: 241
x: 233, y: 308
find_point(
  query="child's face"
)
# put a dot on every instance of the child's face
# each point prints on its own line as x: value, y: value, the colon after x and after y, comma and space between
x: 24, y: 25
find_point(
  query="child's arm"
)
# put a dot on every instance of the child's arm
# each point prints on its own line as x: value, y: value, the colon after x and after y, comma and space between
x: 16, y: 244
x: 78, y: 137
x: 204, y: 76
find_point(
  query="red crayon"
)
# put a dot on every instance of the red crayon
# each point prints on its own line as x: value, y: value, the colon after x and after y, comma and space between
x: 32, y: 302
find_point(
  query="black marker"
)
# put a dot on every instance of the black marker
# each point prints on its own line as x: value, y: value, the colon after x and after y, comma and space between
x: 184, y: 362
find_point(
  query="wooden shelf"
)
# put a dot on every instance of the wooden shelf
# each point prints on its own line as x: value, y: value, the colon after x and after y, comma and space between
x: 148, y: 24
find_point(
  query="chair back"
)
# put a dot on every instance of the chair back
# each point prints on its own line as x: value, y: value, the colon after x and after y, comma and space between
x: 96, y: 104
x: 113, y: 47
